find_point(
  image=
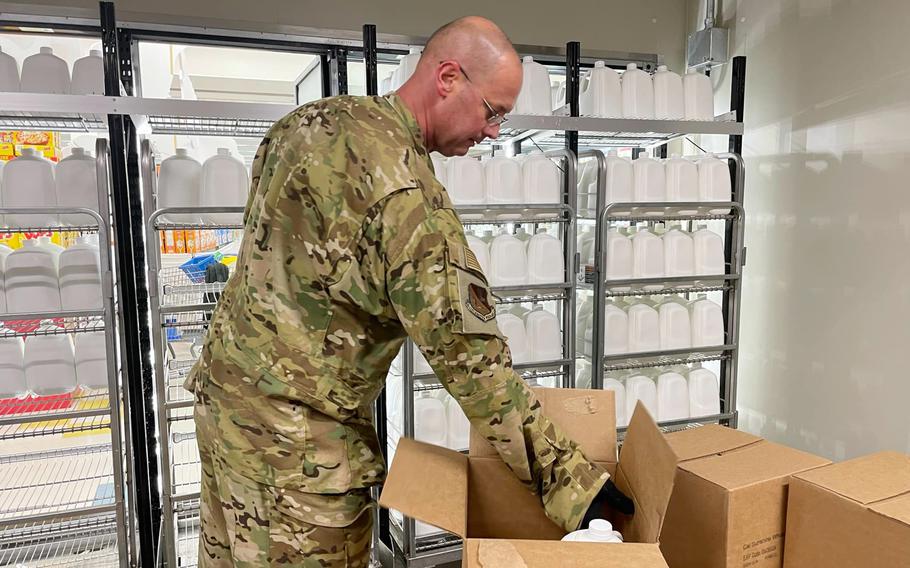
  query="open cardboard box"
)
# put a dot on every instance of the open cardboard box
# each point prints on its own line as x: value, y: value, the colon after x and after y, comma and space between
x: 851, y: 514
x: 503, y: 525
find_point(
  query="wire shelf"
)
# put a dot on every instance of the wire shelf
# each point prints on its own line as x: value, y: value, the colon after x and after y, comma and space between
x: 36, y: 408
x: 96, y: 424
x: 55, y: 481
x: 186, y: 471
x: 187, y: 525
x: 423, y: 383
x: 685, y: 423
x: 661, y: 212
x: 664, y: 361
x: 53, y: 228
x: 181, y: 288
x: 28, y: 325
x: 177, y: 371
x: 59, y: 122
x: 162, y: 225
x: 233, y: 127
x: 85, y: 542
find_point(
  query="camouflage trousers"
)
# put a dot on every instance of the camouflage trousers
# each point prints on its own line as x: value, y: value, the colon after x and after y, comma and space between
x: 246, y: 524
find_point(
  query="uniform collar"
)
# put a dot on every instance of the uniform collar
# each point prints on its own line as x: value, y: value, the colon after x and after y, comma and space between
x: 409, y: 120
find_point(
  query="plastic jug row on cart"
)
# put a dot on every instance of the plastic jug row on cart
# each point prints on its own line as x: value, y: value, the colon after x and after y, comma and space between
x: 648, y: 179
x: 658, y: 252
x: 669, y: 394
x: 439, y: 420
x: 406, y: 67
x: 515, y: 260
x: 659, y: 323
x: 52, y: 364
x: 637, y: 94
x: 532, y: 179
x: 44, y: 277
x: 31, y: 180
x: 45, y: 72
x: 222, y: 181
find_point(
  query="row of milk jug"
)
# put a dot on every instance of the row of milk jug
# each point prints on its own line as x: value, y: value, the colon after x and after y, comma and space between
x: 640, y: 252
x: 514, y: 260
x: 42, y: 276
x: 524, y: 179
x: 221, y: 181
x: 654, y: 324
x: 31, y: 180
x: 638, y: 94
x: 44, y: 72
x: 407, y: 64
x: 668, y: 394
x: 52, y: 364
x: 647, y: 179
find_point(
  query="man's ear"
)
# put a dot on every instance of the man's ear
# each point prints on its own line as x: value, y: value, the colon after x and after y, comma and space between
x: 447, y: 76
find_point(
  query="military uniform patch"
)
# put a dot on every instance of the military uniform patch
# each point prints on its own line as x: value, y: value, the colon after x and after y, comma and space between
x: 478, y: 302
x: 470, y: 259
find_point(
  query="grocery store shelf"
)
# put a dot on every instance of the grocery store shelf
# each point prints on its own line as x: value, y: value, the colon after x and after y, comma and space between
x: 55, y: 481
x: 610, y: 132
x: 50, y: 323
x: 671, y: 211
x: 85, y: 542
x: 661, y: 286
x: 631, y: 361
x: 685, y: 423
x: 70, y: 422
x: 528, y: 371
x: 82, y: 403
x: 519, y: 213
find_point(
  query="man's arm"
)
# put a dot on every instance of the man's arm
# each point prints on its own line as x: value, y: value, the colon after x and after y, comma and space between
x: 441, y: 296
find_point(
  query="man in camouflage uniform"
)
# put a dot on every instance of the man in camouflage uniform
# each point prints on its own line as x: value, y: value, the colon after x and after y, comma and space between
x: 350, y: 245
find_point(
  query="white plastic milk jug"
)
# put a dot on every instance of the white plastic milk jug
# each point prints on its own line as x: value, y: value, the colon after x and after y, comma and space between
x: 637, y: 93
x: 704, y: 392
x: 466, y: 181
x: 180, y: 185
x: 644, y: 328
x: 583, y: 324
x: 77, y: 186
x: 5, y: 251
x: 708, y: 252
x: 546, y: 264
x: 619, y: 396
x: 31, y: 279
x: 675, y: 325
x: 619, y: 182
x: 699, y: 96
x: 224, y: 184
x: 91, y: 359
x: 430, y: 422
x: 9, y: 73
x: 513, y: 329
x: 650, y: 181
x: 682, y: 181
x: 602, y: 95
x: 44, y: 72
x: 481, y: 250
x: 12, y: 371
x: 620, y: 258
x: 503, y: 180
x: 582, y: 374
x: 439, y: 168
x: 49, y: 364
x: 88, y: 74
x: 647, y: 257
x: 714, y: 181
x: 672, y: 397
x: 669, y: 102
x: 707, y: 323
x: 541, y: 180
x: 79, y: 270
x: 586, y: 245
x: 641, y: 388
x: 679, y: 254
x: 544, y: 335
x: 458, y: 426
x: 616, y: 330
x: 599, y: 530
x: 508, y: 261
x: 28, y: 181
x: 535, y: 96
x: 406, y: 67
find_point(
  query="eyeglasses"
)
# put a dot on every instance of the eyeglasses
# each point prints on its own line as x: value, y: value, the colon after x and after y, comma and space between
x: 494, y: 118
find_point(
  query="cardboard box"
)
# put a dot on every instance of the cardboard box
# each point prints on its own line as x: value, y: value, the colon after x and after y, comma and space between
x: 729, y: 501
x: 503, y: 525
x: 851, y: 514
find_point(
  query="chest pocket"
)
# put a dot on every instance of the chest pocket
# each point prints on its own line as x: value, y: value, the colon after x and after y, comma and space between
x: 471, y: 299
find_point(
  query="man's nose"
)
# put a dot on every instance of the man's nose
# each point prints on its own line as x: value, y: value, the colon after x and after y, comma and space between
x: 491, y: 130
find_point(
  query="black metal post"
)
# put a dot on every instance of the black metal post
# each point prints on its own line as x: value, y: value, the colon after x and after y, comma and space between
x: 130, y: 318
x: 573, y: 90
x: 369, y: 59
x: 338, y: 71
x: 737, y: 104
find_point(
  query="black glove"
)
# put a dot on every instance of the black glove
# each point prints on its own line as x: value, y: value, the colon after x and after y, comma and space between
x: 609, y: 498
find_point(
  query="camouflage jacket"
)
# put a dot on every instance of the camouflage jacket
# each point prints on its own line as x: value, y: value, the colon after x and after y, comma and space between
x: 351, y: 244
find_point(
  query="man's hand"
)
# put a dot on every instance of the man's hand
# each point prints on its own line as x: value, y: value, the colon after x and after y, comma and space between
x: 610, y: 498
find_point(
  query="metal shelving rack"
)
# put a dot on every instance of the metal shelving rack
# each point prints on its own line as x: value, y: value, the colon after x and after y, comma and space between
x: 67, y: 505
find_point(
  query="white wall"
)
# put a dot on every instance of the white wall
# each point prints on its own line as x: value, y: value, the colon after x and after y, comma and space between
x: 652, y: 26
x: 826, y: 304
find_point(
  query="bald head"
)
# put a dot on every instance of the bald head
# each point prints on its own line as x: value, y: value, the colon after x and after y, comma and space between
x: 468, y: 73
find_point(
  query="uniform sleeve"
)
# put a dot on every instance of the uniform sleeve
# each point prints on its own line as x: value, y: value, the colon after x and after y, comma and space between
x: 441, y: 297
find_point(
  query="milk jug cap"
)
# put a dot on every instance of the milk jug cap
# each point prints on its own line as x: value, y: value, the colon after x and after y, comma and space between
x: 600, y: 528
x: 94, y: 53
x: 702, y: 297
x: 701, y: 227
x: 527, y: 59
x: 77, y: 151
x: 599, y: 64
x: 47, y: 50
x: 181, y: 152
x: 84, y: 240
x: 29, y: 151
x: 224, y: 152
x: 30, y: 243
x: 44, y: 240
x: 661, y: 68
x: 631, y: 67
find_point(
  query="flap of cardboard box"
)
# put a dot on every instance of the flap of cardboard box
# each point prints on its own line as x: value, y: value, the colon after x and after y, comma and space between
x: 867, y: 479
x: 755, y: 463
x: 646, y: 472
x: 711, y: 439
x: 428, y: 483
x: 494, y: 553
x: 897, y: 508
x: 585, y: 416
